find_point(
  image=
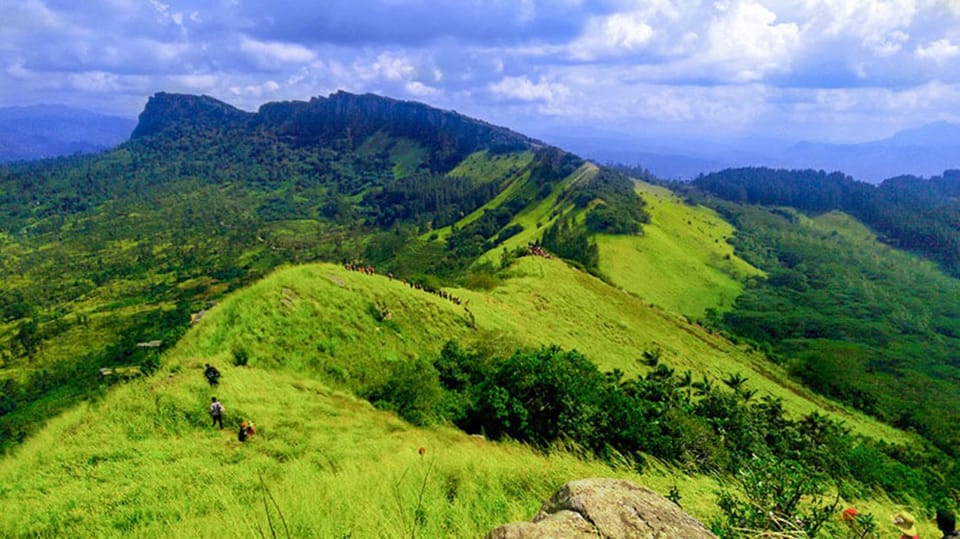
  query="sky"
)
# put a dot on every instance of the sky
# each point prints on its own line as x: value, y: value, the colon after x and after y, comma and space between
x: 830, y: 70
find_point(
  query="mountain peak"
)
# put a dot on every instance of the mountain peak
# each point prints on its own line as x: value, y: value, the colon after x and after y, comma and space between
x: 168, y: 111
x: 341, y: 115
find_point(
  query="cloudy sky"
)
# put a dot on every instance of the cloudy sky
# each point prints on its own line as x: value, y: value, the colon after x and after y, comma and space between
x: 818, y: 69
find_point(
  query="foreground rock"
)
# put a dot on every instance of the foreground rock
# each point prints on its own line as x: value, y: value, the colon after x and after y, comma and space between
x: 609, y: 508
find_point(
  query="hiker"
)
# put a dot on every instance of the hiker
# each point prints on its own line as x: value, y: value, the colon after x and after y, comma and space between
x: 246, y: 430
x: 905, y: 522
x: 212, y: 374
x: 216, y: 412
x: 947, y: 524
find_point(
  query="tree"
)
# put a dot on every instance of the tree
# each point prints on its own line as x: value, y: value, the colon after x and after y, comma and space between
x: 28, y: 335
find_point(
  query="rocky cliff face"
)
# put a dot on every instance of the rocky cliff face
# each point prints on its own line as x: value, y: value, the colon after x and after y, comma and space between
x: 610, y: 508
x: 172, y: 112
x: 341, y: 116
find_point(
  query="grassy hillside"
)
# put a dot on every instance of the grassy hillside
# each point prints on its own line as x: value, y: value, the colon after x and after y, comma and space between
x: 870, y: 325
x: 342, y: 325
x: 682, y: 262
x: 102, y: 252
x: 144, y: 461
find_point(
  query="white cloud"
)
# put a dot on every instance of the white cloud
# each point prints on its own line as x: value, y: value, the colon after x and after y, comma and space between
x: 389, y: 66
x: 612, y: 35
x: 270, y: 53
x: 255, y: 90
x: 17, y: 70
x: 888, y: 44
x: 938, y: 51
x: 523, y: 89
x: 420, y: 89
x: 745, y: 42
x: 879, y: 25
x: 196, y: 83
x: 26, y: 17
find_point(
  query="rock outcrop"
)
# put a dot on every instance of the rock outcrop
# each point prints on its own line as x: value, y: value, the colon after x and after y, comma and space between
x: 610, y: 508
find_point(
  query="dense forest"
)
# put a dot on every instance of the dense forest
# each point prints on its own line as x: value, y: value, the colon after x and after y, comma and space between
x: 852, y: 318
x: 547, y: 396
x: 916, y: 214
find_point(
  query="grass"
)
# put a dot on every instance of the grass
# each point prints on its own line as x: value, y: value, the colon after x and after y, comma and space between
x: 537, y: 217
x: 481, y: 167
x: 682, y: 262
x: 405, y: 154
x: 539, y: 213
x: 146, y: 462
x: 341, y: 326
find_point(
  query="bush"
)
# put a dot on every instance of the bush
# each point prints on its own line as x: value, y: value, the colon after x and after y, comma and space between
x: 412, y: 390
x: 241, y: 357
x: 779, y: 496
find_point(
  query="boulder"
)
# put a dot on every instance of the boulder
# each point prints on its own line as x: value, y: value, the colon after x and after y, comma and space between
x: 610, y: 508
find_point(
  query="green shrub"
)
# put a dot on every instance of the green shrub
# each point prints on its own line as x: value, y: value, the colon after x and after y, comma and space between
x: 412, y: 390
x: 782, y: 497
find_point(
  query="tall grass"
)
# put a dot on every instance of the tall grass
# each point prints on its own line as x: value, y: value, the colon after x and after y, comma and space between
x: 145, y: 461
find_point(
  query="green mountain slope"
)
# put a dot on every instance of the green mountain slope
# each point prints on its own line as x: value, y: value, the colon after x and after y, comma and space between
x: 854, y: 317
x: 107, y: 251
x: 342, y: 325
x: 682, y: 262
x: 108, y: 258
x: 143, y: 460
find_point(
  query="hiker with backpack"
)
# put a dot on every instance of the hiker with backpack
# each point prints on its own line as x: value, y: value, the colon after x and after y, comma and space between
x: 212, y: 374
x: 246, y: 430
x: 947, y: 524
x: 216, y: 412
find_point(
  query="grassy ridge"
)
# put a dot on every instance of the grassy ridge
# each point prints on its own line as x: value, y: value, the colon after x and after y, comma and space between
x: 682, y: 262
x: 340, y: 326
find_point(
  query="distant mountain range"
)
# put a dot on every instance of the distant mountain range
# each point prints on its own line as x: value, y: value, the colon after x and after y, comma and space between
x: 925, y: 151
x: 41, y: 131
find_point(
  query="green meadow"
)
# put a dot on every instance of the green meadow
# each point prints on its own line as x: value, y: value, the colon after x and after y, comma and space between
x: 682, y: 262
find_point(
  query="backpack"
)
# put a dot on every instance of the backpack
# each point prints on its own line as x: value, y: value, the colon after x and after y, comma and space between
x: 216, y: 409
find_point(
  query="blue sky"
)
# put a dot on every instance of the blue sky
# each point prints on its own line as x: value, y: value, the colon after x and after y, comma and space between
x: 838, y: 70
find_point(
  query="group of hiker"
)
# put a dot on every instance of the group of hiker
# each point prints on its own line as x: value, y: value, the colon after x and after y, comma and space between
x: 367, y: 269
x: 904, y: 522
x: 536, y: 250
x: 217, y: 411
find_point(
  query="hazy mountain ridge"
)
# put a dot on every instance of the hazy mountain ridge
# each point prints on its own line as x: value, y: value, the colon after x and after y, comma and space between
x: 927, y: 150
x: 923, y: 151
x: 43, y: 131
